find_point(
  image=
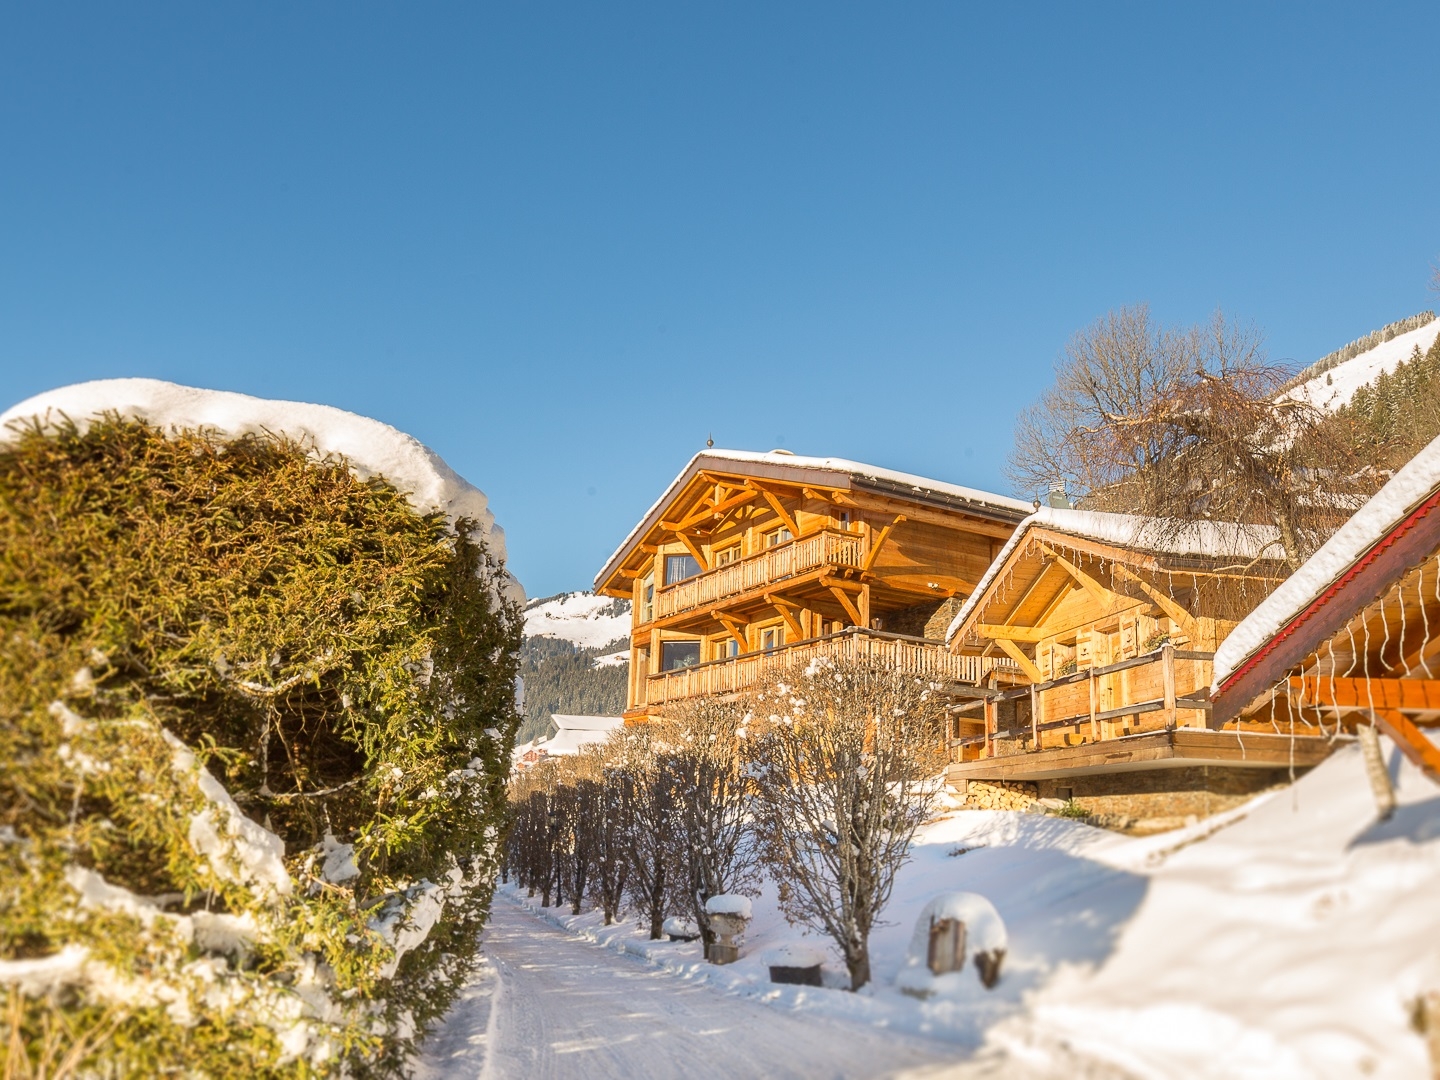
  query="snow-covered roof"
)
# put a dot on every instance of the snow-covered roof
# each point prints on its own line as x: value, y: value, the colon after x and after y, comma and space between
x: 780, y: 461
x: 1331, y: 389
x: 1370, y: 524
x: 370, y: 447
x: 580, y: 731
x: 1208, y: 539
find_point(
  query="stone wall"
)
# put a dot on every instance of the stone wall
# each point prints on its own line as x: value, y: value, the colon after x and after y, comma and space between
x: 1195, y: 791
x: 1000, y: 795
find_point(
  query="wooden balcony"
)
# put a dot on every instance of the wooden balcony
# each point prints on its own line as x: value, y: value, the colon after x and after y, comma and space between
x: 818, y: 551
x: 918, y: 656
x: 1158, y: 691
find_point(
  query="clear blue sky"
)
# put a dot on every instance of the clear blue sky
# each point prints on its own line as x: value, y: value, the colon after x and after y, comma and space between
x: 563, y: 244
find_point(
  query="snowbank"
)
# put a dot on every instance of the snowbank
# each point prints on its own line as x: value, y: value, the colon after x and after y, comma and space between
x: 371, y: 448
x: 1334, y: 388
x: 1411, y: 485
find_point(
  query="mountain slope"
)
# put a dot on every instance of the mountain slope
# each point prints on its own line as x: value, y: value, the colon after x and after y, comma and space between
x: 1330, y: 386
x: 575, y: 658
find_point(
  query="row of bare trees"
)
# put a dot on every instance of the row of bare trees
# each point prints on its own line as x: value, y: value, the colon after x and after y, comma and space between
x: 817, y: 780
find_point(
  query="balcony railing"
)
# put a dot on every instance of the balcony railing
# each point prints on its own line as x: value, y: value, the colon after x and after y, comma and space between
x: 821, y: 549
x: 917, y: 656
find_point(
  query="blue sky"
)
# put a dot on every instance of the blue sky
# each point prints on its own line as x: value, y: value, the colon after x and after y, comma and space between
x: 564, y: 244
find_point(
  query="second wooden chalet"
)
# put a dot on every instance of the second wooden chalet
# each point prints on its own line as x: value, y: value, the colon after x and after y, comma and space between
x: 750, y: 562
x: 1112, y: 623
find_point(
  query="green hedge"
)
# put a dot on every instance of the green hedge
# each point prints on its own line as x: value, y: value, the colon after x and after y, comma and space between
x: 187, y: 621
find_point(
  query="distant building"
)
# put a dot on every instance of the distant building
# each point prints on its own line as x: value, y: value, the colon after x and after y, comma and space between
x: 572, y: 735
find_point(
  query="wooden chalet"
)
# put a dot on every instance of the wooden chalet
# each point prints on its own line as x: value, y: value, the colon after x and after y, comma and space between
x: 1354, y: 636
x: 750, y: 562
x: 1112, y: 623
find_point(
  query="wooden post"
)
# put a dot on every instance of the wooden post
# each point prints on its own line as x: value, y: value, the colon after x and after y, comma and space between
x: 1094, y: 729
x: 1034, y: 717
x: 865, y: 606
x: 989, y: 727
x: 1167, y: 666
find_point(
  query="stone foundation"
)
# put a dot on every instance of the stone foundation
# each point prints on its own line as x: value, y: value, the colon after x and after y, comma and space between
x: 1196, y: 791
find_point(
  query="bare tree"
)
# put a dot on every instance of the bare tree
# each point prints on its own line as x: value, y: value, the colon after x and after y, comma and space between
x: 1185, y: 425
x: 651, y: 816
x: 716, y: 847
x: 845, y: 757
x: 611, y: 829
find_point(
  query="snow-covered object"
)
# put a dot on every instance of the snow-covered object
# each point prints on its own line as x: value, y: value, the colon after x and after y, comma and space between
x: 793, y: 954
x: 576, y: 732
x: 1370, y: 524
x: 899, y: 482
x: 1332, y: 389
x: 585, y: 620
x: 339, y: 865
x: 1212, y: 539
x: 677, y: 927
x: 407, y: 921
x: 986, y: 942
x: 729, y: 904
x: 371, y: 448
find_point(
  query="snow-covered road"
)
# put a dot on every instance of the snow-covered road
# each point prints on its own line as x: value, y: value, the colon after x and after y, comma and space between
x: 547, y: 1006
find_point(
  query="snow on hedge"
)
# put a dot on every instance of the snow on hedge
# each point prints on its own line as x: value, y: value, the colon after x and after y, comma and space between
x: 371, y: 447
x: 1371, y: 523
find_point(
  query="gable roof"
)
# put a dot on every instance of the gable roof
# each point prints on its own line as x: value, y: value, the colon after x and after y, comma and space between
x: 823, y: 472
x: 1367, y: 554
x: 1208, y: 540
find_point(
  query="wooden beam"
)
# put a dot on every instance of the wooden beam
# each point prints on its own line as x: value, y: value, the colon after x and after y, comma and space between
x: 846, y: 603
x: 775, y: 505
x: 786, y: 608
x: 1412, y: 695
x: 1105, y: 596
x: 1411, y: 741
x: 694, y: 550
x: 736, y: 629
x: 1026, y: 664
x: 878, y: 543
x: 1163, y: 602
x: 1010, y: 633
x: 708, y: 512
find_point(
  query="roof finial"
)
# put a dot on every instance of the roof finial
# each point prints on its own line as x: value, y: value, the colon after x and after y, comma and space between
x: 710, y: 440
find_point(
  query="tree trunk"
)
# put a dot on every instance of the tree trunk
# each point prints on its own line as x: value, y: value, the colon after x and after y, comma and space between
x: 859, y: 966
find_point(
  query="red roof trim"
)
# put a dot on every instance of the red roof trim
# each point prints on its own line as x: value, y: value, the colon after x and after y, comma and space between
x: 1358, y: 567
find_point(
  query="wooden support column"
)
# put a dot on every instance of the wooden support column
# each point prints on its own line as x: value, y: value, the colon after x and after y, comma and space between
x: 1167, y: 668
x: 1094, y: 729
x: 865, y: 606
x: 1034, y: 717
x: 990, y: 727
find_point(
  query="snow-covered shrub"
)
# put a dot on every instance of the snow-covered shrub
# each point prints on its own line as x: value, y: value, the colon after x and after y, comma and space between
x: 976, y: 932
x: 255, y: 721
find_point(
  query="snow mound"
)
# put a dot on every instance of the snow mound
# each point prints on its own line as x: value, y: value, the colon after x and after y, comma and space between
x: 1334, y: 388
x: 1364, y: 530
x: 371, y: 448
x: 585, y: 620
x: 792, y: 954
x: 984, y: 935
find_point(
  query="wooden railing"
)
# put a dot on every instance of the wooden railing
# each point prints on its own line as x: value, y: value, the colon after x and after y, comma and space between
x: 821, y: 549
x: 918, y: 656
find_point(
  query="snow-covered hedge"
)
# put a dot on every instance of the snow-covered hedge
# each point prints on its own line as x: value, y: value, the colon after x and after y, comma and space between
x: 255, y: 721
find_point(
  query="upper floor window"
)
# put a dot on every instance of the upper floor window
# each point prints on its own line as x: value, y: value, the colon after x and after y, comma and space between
x: 778, y: 536
x: 772, y: 637
x: 680, y: 567
x: 726, y: 556
x: 647, y: 598
x: 679, y: 654
x: 845, y: 520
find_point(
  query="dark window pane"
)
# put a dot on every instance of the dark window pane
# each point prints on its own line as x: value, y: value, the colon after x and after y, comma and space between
x: 680, y: 567
x: 678, y: 654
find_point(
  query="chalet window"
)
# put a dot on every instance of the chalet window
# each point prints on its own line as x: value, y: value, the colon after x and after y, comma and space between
x: 845, y: 520
x: 647, y: 598
x: 679, y: 654
x: 726, y: 556
x: 727, y: 648
x: 680, y: 567
x: 771, y: 638
x: 778, y: 536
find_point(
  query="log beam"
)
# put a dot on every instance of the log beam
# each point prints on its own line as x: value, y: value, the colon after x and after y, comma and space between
x: 1017, y: 654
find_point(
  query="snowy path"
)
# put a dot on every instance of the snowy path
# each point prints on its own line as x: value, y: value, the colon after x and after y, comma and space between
x: 547, y: 1006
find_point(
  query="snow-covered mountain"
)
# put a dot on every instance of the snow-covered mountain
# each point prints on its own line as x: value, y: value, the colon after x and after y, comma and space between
x: 585, y: 620
x: 1332, y: 387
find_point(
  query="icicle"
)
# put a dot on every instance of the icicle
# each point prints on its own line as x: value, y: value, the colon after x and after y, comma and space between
x: 1403, y: 629
x: 1334, y: 703
x: 1384, y: 645
x: 1274, y: 693
x: 1425, y: 615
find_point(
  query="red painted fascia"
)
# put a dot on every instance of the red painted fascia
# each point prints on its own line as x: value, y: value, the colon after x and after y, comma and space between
x: 1383, y: 544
